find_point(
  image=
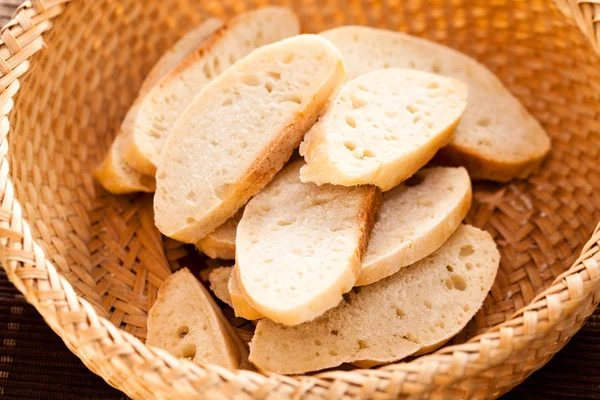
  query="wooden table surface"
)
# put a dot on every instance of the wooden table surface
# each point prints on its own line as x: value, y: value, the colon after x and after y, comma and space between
x: 35, y: 363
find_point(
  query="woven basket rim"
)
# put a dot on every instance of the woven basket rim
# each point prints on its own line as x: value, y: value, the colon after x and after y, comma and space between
x: 152, y: 366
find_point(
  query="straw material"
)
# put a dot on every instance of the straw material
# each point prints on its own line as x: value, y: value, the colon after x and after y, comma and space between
x: 91, y: 263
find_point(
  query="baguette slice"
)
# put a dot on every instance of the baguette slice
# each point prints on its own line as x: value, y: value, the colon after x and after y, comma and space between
x: 496, y: 138
x: 415, y: 219
x: 299, y: 246
x: 219, y: 283
x: 241, y: 129
x: 114, y: 174
x: 220, y: 243
x: 166, y: 101
x: 240, y: 305
x: 119, y: 178
x: 180, y: 50
x: 382, y: 128
x: 187, y: 323
x: 418, y: 308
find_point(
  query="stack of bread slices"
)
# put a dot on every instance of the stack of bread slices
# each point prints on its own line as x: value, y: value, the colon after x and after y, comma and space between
x: 350, y: 251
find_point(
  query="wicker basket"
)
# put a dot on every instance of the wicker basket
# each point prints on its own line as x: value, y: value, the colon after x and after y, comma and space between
x: 91, y: 263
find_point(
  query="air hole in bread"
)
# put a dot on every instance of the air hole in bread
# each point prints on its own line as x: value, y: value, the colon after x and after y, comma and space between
x: 466, y: 251
x: 362, y: 344
x: 216, y: 64
x: 358, y: 102
x: 411, y: 108
x: 433, y: 85
x: 333, y: 353
x: 350, y: 145
x: 232, y: 59
x: 459, y: 282
x: 449, y: 283
x: 429, y: 124
x: 227, y: 102
x: 318, y: 342
x: 449, y: 268
x: 400, y: 312
x: 391, y: 114
x: 425, y: 203
x: 350, y: 121
x: 244, y: 144
x: 435, y: 68
x: 440, y: 324
x: 161, y: 175
x: 466, y: 307
x: 269, y: 86
x: 368, y: 153
x: 191, y: 195
x: 416, y: 119
x: 285, y: 222
x: 484, y: 122
x: 288, y: 58
x: 207, y: 72
x: 428, y: 304
x: 190, y: 220
x: 294, y: 98
x: 188, y: 350
x: 274, y: 75
x: 412, y: 64
x: 268, y: 260
x: 335, y: 332
x: 251, y: 80
x: 414, y: 180
x: 182, y: 331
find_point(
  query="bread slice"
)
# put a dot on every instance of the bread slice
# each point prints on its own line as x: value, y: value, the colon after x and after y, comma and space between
x: 415, y: 219
x: 220, y: 243
x: 239, y: 132
x: 180, y: 50
x: 240, y: 305
x: 496, y: 138
x: 299, y: 246
x: 114, y: 173
x: 187, y: 323
x: 420, y: 307
x: 219, y: 283
x: 119, y: 178
x: 382, y: 128
x: 166, y: 101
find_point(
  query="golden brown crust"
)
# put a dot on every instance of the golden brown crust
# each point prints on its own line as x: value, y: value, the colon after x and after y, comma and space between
x: 483, y: 168
x: 366, y: 220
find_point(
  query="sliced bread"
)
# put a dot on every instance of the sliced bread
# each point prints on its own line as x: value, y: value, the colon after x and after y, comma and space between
x: 237, y: 134
x: 418, y: 308
x: 167, y: 100
x: 496, y: 138
x: 299, y: 246
x: 220, y: 243
x: 415, y: 219
x: 180, y: 50
x: 240, y: 305
x: 119, y: 178
x: 186, y: 322
x: 114, y: 173
x: 382, y: 128
x: 219, y: 283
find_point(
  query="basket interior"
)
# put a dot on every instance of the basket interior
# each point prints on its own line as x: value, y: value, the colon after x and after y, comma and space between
x: 73, y: 99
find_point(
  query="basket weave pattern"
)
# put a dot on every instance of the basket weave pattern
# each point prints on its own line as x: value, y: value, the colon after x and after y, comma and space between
x: 91, y: 263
